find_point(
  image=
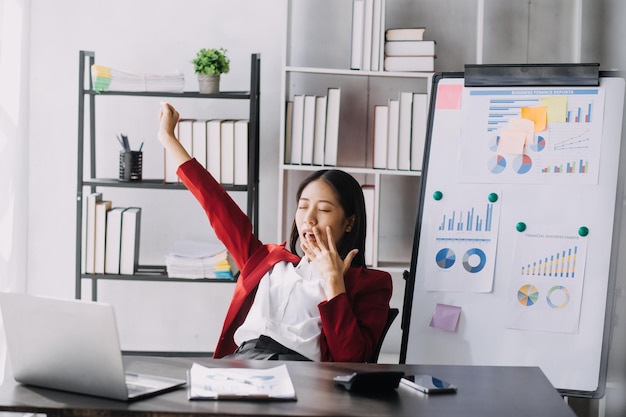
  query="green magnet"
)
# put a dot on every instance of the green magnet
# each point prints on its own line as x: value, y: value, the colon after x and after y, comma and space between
x: 493, y: 197
x: 437, y: 195
x: 583, y: 231
x: 521, y: 226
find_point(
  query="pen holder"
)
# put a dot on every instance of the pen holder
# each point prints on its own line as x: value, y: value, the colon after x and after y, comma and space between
x: 130, y: 165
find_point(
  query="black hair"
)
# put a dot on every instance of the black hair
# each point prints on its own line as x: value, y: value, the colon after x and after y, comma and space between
x: 350, y: 195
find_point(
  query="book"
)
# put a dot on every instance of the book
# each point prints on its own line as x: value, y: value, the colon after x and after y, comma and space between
x: 214, y: 148
x: 206, y: 383
x: 90, y: 232
x: 381, y: 118
x: 410, y: 63
x: 113, y: 240
x: 332, y: 126
x: 101, y: 223
x: 241, y: 152
x: 410, y: 48
x: 308, y: 130
x: 319, y: 136
x: 418, y: 130
x: 129, y: 246
x: 368, y: 16
x: 369, y: 196
x: 227, y: 171
x: 356, y: 45
x: 392, y: 134
x: 296, y: 129
x: 185, y: 135
x: 198, y: 137
x: 405, y: 34
x: 378, y: 39
x: 404, y: 130
x: 288, y: 126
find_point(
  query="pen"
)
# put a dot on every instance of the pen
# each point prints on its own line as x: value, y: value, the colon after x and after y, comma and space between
x: 126, y: 144
x: 243, y: 380
x: 120, y: 140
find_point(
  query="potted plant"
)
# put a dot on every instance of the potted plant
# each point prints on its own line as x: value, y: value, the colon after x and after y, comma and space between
x: 209, y: 63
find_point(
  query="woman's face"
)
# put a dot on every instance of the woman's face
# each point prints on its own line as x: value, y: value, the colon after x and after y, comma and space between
x: 319, y: 207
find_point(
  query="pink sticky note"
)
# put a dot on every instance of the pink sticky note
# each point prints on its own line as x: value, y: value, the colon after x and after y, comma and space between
x: 445, y: 317
x: 511, y: 141
x: 449, y: 96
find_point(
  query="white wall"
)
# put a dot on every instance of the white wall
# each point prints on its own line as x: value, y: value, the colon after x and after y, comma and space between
x: 145, y: 36
x: 155, y: 36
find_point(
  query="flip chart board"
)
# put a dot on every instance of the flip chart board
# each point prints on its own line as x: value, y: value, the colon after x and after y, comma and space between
x: 515, y: 245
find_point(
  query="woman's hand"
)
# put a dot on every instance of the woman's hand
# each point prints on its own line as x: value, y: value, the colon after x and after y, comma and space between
x: 327, y: 261
x: 168, y: 118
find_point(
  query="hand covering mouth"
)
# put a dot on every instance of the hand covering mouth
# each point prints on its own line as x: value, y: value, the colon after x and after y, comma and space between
x: 308, y: 235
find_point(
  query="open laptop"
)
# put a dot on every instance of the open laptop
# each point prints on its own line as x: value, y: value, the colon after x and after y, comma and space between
x: 71, y: 345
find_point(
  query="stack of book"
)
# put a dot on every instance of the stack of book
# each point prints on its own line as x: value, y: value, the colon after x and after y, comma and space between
x: 312, y: 129
x: 406, y: 50
x: 219, y: 145
x: 199, y: 260
x: 400, y: 132
x: 111, y: 79
x: 368, y: 26
x: 112, y: 237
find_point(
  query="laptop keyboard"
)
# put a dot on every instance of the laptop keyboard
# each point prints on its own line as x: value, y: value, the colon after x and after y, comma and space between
x: 134, y: 389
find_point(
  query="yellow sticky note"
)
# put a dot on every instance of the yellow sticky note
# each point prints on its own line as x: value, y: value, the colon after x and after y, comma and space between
x: 557, y: 108
x: 511, y: 142
x: 539, y: 115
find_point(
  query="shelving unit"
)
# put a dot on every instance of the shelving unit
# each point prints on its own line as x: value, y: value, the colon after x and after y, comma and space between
x: 313, y: 38
x: 89, y: 183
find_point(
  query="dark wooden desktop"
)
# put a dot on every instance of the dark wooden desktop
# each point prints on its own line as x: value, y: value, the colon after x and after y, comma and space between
x: 482, y: 391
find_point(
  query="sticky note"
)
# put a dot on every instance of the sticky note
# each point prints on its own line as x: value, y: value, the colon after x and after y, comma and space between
x: 525, y: 125
x: 557, y: 108
x: 449, y: 96
x: 511, y: 142
x: 538, y: 114
x: 445, y: 317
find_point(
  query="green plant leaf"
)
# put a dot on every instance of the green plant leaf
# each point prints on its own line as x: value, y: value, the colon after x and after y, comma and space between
x: 211, y: 61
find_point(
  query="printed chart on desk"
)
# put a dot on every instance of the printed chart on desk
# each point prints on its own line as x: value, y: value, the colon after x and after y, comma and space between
x: 514, y: 237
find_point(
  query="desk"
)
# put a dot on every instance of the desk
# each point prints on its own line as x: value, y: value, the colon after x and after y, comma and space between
x: 482, y: 391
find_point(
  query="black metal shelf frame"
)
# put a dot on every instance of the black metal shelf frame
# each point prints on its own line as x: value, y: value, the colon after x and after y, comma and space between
x: 154, y: 273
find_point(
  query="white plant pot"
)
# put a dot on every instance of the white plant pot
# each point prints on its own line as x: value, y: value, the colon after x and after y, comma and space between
x: 209, y: 84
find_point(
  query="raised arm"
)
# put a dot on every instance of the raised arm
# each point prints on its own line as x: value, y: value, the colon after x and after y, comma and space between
x: 168, y: 118
x: 231, y: 225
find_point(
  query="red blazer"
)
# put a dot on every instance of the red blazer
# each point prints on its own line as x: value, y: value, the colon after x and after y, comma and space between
x: 352, y: 323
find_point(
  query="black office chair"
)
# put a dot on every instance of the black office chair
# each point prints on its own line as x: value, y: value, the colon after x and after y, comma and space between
x: 391, y: 316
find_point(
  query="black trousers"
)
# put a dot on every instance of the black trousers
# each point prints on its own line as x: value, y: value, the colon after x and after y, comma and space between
x: 265, y: 348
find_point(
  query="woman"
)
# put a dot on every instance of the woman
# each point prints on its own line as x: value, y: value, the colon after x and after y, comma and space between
x: 323, y: 306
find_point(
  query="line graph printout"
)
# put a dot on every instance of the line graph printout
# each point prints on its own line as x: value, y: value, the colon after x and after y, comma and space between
x: 526, y: 135
x: 546, y: 287
x: 462, y: 233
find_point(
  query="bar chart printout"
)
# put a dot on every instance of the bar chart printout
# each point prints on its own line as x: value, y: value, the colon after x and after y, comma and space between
x: 565, y: 149
x: 547, y: 276
x: 468, y: 221
x: 463, y: 230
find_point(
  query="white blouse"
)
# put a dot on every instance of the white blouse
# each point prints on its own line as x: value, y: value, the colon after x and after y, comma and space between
x: 285, y: 309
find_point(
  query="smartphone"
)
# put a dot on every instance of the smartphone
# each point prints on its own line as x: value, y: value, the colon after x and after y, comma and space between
x: 428, y: 384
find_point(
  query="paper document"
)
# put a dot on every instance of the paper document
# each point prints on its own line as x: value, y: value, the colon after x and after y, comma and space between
x: 240, y: 383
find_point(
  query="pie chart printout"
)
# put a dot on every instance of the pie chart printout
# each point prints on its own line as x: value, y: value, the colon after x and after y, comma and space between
x: 528, y: 295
